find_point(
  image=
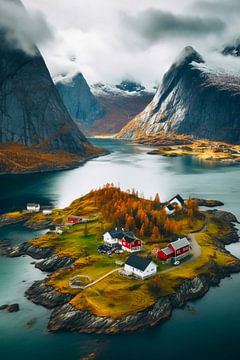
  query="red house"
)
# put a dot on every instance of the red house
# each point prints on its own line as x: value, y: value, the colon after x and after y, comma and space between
x: 131, y: 243
x: 74, y: 219
x: 178, y: 250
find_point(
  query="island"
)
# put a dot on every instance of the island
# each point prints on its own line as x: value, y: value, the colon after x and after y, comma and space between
x: 118, y: 262
x: 171, y: 144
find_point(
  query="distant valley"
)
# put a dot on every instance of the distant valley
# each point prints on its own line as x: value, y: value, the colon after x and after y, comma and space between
x: 102, y: 108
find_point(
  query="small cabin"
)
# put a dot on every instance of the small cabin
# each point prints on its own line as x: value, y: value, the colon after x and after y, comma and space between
x: 176, y: 250
x: 140, y: 267
x: 170, y: 209
x: 131, y: 243
x: 56, y: 229
x: 73, y: 219
x: 47, y: 212
x: 180, y: 248
x: 165, y: 254
x: 32, y: 207
x: 113, y: 237
x: 175, y: 202
x: 126, y: 239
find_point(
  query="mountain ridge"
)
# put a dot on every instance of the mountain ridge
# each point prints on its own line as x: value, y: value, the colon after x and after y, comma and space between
x: 194, y: 100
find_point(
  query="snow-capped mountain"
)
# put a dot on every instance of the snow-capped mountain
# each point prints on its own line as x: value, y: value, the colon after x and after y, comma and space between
x: 193, y: 99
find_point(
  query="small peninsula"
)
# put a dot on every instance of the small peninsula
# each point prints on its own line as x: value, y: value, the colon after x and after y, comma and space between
x: 20, y: 159
x: 172, y: 145
x: 90, y: 245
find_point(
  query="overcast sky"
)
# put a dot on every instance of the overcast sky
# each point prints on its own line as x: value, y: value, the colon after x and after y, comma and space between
x: 109, y: 40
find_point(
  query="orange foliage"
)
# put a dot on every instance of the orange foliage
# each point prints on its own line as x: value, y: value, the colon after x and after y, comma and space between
x: 127, y: 210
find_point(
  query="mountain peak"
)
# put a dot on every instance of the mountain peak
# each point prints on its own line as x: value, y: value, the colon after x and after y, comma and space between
x: 188, y: 55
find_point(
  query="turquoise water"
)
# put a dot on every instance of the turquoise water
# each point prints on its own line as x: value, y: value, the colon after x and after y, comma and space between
x: 208, y: 329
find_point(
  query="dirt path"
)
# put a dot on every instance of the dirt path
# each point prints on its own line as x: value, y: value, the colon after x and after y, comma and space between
x: 96, y: 281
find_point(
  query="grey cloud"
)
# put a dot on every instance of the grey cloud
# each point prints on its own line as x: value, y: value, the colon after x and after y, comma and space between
x: 221, y: 7
x: 23, y: 30
x: 154, y: 24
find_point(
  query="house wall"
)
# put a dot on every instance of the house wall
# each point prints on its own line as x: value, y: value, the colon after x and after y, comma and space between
x: 169, y: 212
x: 132, y: 247
x: 175, y: 201
x: 180, y: 253
x: 161, y: 255
x: 33, y: 208
x: 149, y: 271
x: 109, y: 240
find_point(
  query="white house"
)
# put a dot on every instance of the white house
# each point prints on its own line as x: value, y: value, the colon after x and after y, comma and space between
x: 33, y: 207
x: 113, y: 237
x: 172, y: 203
x: 47, y: 212
x: 56, y: 229
x: 140, y: 267
x: 170, y: 209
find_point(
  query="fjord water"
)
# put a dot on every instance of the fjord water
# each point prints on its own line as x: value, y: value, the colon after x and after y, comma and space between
x: 208, y: 328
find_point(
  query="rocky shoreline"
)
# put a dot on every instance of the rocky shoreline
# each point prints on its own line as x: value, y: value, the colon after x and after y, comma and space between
x: 66, y: 317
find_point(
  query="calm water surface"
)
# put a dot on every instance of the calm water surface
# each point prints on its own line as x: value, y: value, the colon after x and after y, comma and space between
x: 209, y: 329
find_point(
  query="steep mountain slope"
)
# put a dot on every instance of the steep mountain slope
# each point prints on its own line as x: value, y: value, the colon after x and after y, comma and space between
x: 31, y: 110
x: 193, y: 99
x: 122, y: 102
x: 79, y: 100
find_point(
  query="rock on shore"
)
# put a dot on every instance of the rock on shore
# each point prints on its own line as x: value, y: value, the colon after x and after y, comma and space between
x: 54, y: 263
x: 42, y: 293
x: 28, y: 249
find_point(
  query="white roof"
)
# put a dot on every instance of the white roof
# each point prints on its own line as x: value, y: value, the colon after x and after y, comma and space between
x: 180, y: 243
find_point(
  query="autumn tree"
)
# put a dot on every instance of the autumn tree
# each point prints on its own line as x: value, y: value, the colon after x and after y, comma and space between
x: 155, y: 234
x: 130, y: 223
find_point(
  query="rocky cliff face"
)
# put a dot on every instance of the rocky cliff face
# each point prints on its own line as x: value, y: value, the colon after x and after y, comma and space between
x: 79, y: 100
x: 192, y: 99
x: 31, y: 110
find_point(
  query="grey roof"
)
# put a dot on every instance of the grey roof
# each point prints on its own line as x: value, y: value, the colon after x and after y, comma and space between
x: 138, y: 262
x: 116, y: 234
x: 167, y: 251
x: 120, y: 234
x: 33, y: 204
x: 180, y: 243
x: 179, y: 198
